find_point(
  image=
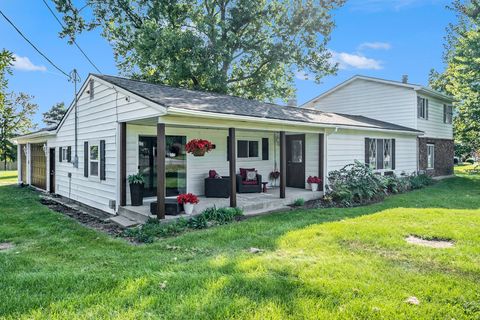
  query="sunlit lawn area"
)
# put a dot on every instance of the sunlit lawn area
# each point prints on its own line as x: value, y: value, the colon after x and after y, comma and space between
x: 8, y: 177
x: 317, y: 264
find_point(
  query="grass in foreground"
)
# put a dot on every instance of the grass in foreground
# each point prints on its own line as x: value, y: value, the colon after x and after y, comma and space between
x: 328, y: 263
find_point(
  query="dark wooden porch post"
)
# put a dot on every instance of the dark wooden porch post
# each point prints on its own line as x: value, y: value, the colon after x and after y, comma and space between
x: 283, y: 164
x: 160, y: 170
x: 232, y: 156
x: 123, y: 164
x: 321, y: 159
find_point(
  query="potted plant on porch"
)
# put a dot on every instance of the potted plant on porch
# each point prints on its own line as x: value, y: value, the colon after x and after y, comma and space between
x: 136, y: 182
x: 189, y: 200
x: 198, y: 147
x: 314, y: 181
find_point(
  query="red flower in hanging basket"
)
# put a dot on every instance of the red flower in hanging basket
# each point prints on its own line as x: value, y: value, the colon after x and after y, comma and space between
x: 187, y: 198
x: 314, y: 179
x: 198, y: 147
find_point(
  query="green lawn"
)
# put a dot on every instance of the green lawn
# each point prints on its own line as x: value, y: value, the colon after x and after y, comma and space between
x: 8, y: 177
x: 333, y: 263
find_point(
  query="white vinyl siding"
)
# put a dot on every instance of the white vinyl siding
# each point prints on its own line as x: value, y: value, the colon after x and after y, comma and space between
x: 346, y: 146
x: 374, y: 100
x: 435, y: 127
x: 97, y: 120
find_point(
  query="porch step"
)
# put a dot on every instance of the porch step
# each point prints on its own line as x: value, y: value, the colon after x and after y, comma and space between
x: 134, y: 216
x: 123, y: 221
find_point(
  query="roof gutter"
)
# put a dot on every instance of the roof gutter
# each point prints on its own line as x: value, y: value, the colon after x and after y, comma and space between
x: 215, y: 115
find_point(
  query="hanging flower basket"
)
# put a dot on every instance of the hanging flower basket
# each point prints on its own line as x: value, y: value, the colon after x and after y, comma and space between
x: 198, y: 147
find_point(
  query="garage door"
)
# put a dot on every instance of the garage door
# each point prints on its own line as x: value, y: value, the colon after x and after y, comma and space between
x: 39, y: 166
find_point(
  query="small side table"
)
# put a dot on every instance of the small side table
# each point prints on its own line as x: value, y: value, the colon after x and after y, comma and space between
x: 264, y: 189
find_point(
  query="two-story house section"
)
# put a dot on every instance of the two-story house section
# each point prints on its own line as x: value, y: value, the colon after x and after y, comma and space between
x: 404, y: 104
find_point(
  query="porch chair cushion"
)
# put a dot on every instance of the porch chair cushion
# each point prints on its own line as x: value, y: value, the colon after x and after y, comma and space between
x: 243, y: 172
x: 251, y: 176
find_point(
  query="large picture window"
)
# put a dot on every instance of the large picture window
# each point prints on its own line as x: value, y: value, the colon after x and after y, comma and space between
x: 94, y: 160
x: 380, y: 154
x: 247, y: 149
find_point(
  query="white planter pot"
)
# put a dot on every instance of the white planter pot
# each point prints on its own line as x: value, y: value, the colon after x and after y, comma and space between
x: 188, y: 207
x: 314, y: 186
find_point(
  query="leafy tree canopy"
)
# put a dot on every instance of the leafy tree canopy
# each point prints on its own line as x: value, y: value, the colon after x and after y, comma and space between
x: 16, y: 111
x: 249, y: 48
x: 461, y: 76
x: 53, y: 116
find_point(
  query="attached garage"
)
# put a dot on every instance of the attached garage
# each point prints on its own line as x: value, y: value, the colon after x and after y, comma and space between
x: 39, y: 166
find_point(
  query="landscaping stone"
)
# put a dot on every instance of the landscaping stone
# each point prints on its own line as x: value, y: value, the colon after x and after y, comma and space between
x: 439, y: 244
x: 6, y: 245
x: 255, y: 250
x: 413, y: 300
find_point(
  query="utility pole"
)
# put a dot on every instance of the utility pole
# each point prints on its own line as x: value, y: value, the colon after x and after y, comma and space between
x: 75, y: 78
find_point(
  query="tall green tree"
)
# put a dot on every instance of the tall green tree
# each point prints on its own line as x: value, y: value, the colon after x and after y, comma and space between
x: 53, y: 116
x: 16, y: 112
x: 250, y: 48
x: 461, y: 76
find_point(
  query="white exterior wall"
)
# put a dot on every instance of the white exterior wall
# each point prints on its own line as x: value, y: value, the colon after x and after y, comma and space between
x: 375, y: 100
x: 97, y: 120
x: 345, y: 146
x: 434, y: 127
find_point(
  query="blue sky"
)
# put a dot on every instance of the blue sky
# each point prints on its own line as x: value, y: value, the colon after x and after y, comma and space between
x: 380, y: 38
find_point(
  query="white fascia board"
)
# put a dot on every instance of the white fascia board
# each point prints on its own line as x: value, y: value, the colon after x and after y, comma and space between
x: 280, y: 123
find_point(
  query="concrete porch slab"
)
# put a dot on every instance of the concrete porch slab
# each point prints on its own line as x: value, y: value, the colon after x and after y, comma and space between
x: 250, y: 203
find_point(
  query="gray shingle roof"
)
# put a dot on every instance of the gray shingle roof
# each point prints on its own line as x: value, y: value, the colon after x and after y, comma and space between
x: 225, y: 104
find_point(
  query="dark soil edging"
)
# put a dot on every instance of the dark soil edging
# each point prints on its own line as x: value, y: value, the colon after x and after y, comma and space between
x: 84, y: 219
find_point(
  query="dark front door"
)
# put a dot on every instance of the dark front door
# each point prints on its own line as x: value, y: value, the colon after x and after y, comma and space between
x: 175, y: 165
x: 296, y: 161
x: 52, y: 170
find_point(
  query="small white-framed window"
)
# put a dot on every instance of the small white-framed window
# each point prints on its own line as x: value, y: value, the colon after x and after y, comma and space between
x: 430, y: 156
x: 248, y: 149
x: 447, y: 113
x: 372, y: 153
x: 64, y: 154
x: 422, y: 108
x: 94, y: 156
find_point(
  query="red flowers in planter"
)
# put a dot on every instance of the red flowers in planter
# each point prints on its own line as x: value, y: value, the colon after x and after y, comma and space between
x: 187, y: 198
x: 314, y: 179
x: 198, y: 147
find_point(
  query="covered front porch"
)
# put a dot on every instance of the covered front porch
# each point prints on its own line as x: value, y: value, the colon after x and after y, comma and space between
x: 250, y: 203
x: 293, y: 151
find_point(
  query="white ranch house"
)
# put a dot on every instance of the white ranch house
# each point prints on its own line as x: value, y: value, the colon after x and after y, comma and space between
x: 120, y: 127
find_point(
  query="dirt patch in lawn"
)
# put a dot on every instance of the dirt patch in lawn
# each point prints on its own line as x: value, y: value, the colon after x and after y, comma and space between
x: 6, y: 245
x: 432, y: 243
x: 84, y: 219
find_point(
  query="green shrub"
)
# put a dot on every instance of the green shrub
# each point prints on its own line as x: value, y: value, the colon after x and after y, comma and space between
x: 299, y: 202
x: 355, y: 183
x: 154, y: 229
x: 419, y: 181
x: 396, y: 184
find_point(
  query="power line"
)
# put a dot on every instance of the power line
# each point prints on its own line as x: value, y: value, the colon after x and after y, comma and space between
x: 76, y: 44
x: 34, y: 47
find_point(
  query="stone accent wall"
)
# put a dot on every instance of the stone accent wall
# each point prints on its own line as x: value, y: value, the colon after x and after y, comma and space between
x: 444, y: 153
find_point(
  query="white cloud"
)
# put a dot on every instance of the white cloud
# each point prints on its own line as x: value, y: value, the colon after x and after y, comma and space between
x: 375, y: 46
x: 303, y: 75
x: 24, y: 64
x: 355, y: 61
